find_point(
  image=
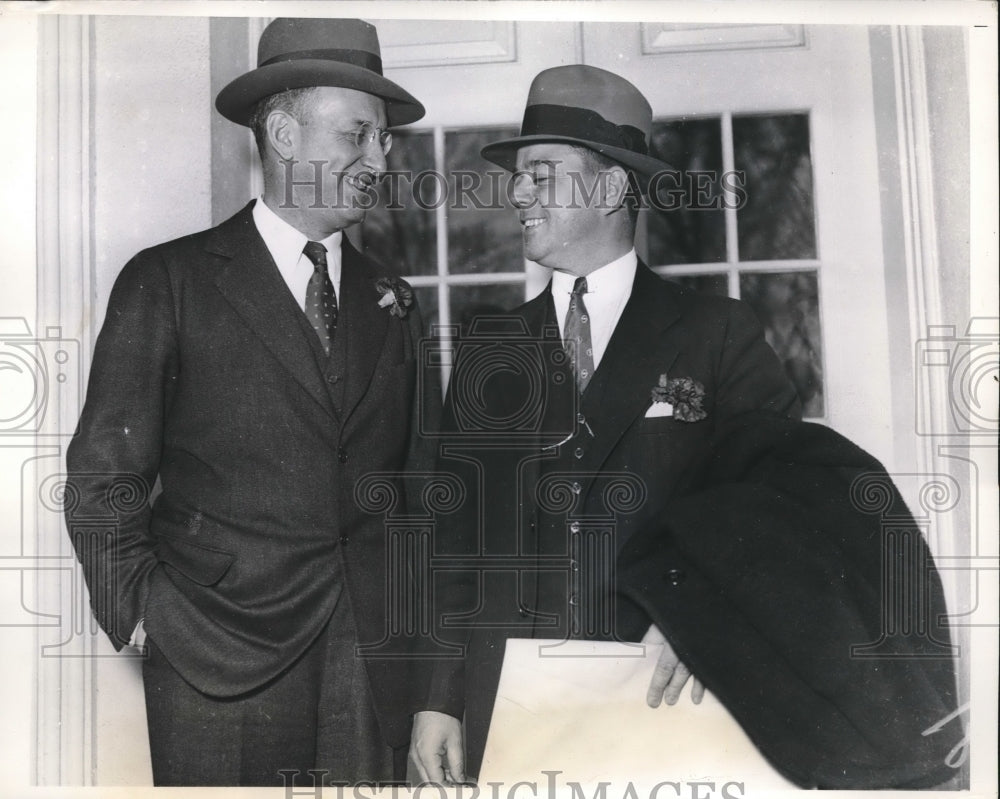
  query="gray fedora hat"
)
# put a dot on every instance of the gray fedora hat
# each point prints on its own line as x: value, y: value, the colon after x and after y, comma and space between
x: 589, y: 107
x: 299, y: 53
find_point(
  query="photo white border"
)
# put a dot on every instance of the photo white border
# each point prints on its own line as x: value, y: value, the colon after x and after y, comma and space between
x: 17, y: 231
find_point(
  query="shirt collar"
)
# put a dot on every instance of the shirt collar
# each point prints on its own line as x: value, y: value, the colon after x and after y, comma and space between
x: 284, y: 242
x: 616, y: 276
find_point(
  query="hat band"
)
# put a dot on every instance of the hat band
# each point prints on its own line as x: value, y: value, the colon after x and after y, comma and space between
x: 581, y: 123
x: 357, y: 58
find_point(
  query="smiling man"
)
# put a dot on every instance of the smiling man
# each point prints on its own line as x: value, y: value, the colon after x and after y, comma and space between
x: 251, y: 370
x: 668, y: 493
x: 577, y: 167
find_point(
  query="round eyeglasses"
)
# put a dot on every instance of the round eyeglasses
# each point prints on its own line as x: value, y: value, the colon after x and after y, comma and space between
x: 368, y: 133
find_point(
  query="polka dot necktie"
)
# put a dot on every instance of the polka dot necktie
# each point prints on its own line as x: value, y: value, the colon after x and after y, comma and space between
x: 577, y: 335
x: 321, y: 299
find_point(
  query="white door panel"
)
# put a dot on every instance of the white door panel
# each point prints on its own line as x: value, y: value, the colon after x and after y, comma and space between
x: 477, y: 73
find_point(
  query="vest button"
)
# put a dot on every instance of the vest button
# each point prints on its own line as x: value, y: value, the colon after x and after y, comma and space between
x: 676, y: 576
x: 344, y: 539
x: 342, y: 455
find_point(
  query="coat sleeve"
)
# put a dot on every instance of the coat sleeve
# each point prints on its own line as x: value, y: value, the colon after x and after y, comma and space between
x: 770, y: 581
x: 425, y: 421
x: 442, y: 672
x: 113, y: 459
x: 750, y: 375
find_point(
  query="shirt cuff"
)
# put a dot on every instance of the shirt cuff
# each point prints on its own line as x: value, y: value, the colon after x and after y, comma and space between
x: 138, y: 639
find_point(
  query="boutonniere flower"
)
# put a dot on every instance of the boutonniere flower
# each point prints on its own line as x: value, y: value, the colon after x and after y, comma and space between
x: 394, y: 294
x: 684, y: 394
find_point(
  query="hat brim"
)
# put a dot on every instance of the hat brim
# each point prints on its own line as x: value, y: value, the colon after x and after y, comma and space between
x: 237, y: 99
x: 504, y: 153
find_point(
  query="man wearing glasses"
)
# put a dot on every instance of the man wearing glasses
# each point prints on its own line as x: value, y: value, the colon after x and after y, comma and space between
x: 255, y: 371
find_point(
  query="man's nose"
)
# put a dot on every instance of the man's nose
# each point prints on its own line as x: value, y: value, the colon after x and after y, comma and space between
x: 523, y: 194
x: 372, y: 157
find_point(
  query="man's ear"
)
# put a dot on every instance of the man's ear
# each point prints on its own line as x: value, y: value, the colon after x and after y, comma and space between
x: 282, y: 134
x: 615, y: 187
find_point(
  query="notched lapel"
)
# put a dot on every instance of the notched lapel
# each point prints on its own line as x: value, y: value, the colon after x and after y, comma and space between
x: 642, y: 347
x: 363, y: 322
x: 252, y: 285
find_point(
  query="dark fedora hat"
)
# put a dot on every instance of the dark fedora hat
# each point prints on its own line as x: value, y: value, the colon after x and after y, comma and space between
x: 299, y: 53
x: 585, y: 106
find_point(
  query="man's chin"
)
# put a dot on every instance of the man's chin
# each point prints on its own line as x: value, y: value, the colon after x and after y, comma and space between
x: 346, y: 217
x: 535, y: 254
x: 355, y: 217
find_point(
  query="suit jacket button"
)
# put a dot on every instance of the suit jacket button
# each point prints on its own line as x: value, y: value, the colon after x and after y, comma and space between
x: 344, y: 539
x: 676, y: 576
x: 576, y: 488
x: 342, y: 455
x: 333, y: 379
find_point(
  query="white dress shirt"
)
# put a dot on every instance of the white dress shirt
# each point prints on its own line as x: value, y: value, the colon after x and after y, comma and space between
x: 608, y: 289
x: 285, y: 244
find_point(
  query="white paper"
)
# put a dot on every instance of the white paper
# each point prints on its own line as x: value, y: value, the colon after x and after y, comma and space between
x: 579, y: 708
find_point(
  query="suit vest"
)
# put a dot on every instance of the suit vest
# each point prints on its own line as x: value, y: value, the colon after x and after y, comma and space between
x: 575, y: 521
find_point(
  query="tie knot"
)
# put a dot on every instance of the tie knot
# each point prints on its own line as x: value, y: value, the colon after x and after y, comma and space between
x: 316, y: 253
x: 580, y: 286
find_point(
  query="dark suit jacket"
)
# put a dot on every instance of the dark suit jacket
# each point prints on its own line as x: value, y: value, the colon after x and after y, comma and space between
x: 207, y: 377
x: 793, y: 581
x: 743, y: 536
x: 619, y: 470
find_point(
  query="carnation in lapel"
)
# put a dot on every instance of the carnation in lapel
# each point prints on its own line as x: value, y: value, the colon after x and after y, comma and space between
x: 680, y: 397
x: 394, y: 294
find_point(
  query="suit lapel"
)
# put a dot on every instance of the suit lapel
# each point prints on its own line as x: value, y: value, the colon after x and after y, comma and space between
x: 252, y: 285
x: 539, y: 316
x: 363, y: 322
x: 641, y: 348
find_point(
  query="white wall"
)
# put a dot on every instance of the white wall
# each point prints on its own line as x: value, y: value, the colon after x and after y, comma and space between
x: 18, y: 39
x: 151, y: 141
x: 151, y: 136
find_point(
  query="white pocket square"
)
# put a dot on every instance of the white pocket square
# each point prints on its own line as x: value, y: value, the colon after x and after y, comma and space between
x: 660, y: 409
